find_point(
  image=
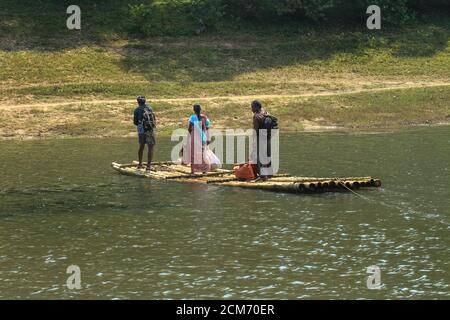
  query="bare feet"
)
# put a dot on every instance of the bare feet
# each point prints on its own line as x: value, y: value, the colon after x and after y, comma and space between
x: 148, y: 169
x: 140, y: 166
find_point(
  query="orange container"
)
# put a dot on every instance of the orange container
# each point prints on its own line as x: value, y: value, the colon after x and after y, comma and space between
x: 245, y: 172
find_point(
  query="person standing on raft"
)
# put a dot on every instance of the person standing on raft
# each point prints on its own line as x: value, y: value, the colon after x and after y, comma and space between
x: 198, y: 131
x: 145, y: 121
x: 263, y: 123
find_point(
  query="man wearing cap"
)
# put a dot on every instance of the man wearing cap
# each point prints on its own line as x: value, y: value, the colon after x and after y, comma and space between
x: 145, y: 121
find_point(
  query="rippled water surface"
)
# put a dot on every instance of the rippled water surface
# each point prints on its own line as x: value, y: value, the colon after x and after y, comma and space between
x: 61, y: 204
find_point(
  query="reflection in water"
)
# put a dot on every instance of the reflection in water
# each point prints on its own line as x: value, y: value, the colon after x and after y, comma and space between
x: 61, y: 204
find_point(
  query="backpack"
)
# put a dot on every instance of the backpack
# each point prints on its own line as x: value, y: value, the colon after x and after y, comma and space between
x: 148, y: 120
x: 270, y: 122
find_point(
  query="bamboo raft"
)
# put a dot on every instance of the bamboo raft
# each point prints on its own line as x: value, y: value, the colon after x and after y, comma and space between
x: 279, y: 183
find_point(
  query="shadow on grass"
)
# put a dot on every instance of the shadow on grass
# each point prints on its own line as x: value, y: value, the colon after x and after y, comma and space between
x: 39, y: 25
x: 424, y: 42
x: 223, y: 58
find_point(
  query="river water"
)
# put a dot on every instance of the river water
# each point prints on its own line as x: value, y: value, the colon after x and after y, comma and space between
x: 61, y: 204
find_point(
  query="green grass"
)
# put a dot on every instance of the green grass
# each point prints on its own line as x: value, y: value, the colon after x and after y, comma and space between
x: 40, y: 61
x: 420, y: 51
x: 158, y: 90
x: 367, y: 110
x: 325, y: 60
x: 393, y: 108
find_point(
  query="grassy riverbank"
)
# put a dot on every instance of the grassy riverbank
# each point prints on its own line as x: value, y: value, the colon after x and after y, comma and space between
x: 373, y: 109
x: 83, y: 84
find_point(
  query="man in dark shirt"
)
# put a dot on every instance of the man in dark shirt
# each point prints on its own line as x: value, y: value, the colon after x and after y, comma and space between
x: 258, y: 115
x: 145, y: 121
x: 261, y: 140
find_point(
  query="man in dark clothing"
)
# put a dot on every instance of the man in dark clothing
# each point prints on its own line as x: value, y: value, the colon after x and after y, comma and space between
x: 261, y: 138
x: 145, y: 121
x: 258, y: 115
